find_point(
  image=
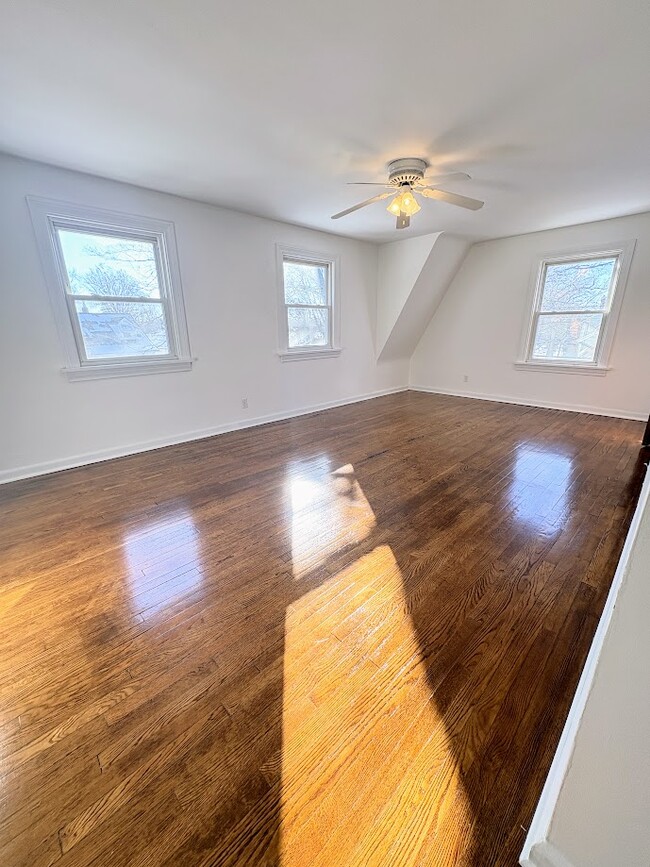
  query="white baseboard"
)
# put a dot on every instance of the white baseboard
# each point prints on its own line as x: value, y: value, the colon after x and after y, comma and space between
x: 546, y: 855
x: 68, y: 463
x: 537, y: 846
x: 501, y: 398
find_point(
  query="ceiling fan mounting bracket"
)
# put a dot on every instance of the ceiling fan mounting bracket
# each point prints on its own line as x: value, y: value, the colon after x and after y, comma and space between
x: 406, y: 171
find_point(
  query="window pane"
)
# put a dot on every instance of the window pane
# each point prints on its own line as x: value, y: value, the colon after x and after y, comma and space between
x: 308, y: 326
x: 305, y: 284
x: 572, y: 337
x: 105, y: 265
x: 578, y: 285
x: 119, y: 329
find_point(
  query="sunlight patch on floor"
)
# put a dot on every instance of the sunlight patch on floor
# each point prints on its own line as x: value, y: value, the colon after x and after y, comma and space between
x: 329, y: 512
x: 362, y: 737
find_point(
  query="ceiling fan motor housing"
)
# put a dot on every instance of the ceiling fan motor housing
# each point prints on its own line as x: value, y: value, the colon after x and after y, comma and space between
x: 406, y: 171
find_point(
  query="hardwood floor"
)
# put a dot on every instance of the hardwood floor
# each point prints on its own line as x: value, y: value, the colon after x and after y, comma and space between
x: 346, y: 639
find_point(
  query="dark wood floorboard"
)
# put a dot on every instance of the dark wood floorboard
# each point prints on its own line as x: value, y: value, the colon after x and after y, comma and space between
x: 343, y: 640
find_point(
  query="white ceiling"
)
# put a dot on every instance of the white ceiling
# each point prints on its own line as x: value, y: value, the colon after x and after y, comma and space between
x: 271, y: 107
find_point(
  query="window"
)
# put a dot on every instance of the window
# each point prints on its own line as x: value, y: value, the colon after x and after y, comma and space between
x: 115, y: 288
x: 308, y: 305
x: 576, y: 300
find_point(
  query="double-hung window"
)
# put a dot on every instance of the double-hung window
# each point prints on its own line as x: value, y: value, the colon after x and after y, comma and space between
x: 115, y: 288
x: 576, y: 300
x: 308, y: 304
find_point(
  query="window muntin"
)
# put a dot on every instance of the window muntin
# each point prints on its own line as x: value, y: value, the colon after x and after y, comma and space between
x: 116, y: 295
x: 572, y: 305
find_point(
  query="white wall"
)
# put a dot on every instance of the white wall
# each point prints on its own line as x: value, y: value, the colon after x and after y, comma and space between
x: 420, y: 305
x: 595, y: 808
x: 228, y: 271
x: 476, y: 330
x: 399, y: 266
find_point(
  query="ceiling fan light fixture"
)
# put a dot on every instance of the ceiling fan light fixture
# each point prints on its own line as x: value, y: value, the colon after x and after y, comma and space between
x: 410, y: 204
x: 404, y: 203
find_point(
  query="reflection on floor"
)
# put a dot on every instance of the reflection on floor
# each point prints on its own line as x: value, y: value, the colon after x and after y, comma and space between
x: 541, y: 483
x: 172, y: 529
x: 346, y: 639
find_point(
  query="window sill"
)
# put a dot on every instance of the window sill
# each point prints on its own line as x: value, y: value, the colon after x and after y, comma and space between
x: 126, y: 368
x: 306, y: 354
x: 551, y: 367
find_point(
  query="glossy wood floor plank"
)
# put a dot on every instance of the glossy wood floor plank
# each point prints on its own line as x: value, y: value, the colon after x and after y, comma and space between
x: 346, y: 639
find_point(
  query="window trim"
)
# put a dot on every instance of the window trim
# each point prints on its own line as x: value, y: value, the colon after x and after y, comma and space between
x: 47, y: 216
x: 309, y: 257
x: 624, y: 251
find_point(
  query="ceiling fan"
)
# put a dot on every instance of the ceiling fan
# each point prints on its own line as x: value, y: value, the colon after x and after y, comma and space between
x: 406, y: 180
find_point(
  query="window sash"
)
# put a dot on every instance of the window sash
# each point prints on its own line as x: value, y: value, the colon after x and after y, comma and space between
x: 575, y: 260
x: 289, y: 255
x: 541, y: 359
x: 70, y: 297
x: 600, y: 311
x: 583, y: 362
x: 116, y: 359
x: 295, y: 260
x: 315, y: 263
x: 292, y: 260
x: 309, y: 346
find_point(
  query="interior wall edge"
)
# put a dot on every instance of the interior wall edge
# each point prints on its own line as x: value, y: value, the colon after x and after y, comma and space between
x: 542, y: 404
x: 537, y: 840
x: 40, y: 469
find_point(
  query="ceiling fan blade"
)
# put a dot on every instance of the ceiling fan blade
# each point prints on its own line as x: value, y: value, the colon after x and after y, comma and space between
x: 451, y: 176
x: 361, y: 205
x: 433, y: 179
x: 451, y: 198
x: 372, y: 184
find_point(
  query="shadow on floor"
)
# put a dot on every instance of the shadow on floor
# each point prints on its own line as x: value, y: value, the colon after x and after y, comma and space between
x: 457, y: 560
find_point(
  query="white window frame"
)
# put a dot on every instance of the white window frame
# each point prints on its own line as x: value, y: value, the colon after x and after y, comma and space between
x: 49, y: 215
x: 623, y: 250
x: 308, y: 257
